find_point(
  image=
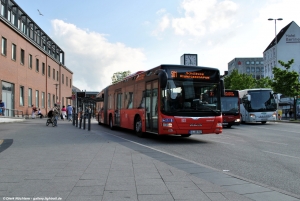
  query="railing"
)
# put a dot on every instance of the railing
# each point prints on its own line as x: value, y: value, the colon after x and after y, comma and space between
x: 13, y: 113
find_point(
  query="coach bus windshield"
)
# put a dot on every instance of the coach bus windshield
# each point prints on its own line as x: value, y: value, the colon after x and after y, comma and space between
x: 261, y: 101
x: 181, y: 97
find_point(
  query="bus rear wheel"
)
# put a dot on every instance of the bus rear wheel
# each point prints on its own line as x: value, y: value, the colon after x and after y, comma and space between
x: 138, y: 127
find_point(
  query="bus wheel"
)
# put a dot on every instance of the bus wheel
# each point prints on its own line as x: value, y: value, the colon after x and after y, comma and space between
x: 229, y: 126
x: 188, y: 135
x: 138, y: 127
x: 111, y: 126
x: 263, y: 122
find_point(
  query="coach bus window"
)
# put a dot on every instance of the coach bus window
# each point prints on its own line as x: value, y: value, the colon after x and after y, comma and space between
x: 130, y: 100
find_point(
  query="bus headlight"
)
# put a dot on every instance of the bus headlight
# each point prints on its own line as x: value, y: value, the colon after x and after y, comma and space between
x: 219, y: 125
x: 252, y: 115
x: 237, y: 120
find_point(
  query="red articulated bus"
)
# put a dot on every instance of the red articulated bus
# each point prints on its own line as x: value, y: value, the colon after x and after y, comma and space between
x: 231, y: 108
x: 164, y: 100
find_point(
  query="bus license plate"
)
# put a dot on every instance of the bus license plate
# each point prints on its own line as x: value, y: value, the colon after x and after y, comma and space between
x: 195, y: 132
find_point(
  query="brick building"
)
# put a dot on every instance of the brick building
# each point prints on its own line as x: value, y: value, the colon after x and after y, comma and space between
x: 32, y: 69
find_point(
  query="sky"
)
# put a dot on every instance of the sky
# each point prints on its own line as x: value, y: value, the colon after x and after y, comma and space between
x: 102, y: 37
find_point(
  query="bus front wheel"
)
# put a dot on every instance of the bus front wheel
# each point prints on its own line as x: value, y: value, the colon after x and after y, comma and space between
x: 263, y: 122
x: 138, y: 127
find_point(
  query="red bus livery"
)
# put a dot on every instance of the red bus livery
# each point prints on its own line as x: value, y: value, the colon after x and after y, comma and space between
x: 231, y: 108
x: 165, y: 100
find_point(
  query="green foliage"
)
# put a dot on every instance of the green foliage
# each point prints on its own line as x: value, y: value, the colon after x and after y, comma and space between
x: 236, y: 81
x: 286, y: 81
x: 118, y: 76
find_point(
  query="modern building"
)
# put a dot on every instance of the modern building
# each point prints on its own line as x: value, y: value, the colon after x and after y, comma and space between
x: 286, y: 48
x: 32, y: 65
x: 247, y: 65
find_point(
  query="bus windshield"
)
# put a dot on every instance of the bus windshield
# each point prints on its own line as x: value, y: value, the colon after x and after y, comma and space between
x: 182, y: 97
x: 230, y: 104
x: 262, y: 101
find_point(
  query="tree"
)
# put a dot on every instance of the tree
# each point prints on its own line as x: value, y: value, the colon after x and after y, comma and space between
x: 286, y: 82
x: 263, y: 83
x: 236, y: 81
x: 118, y: 76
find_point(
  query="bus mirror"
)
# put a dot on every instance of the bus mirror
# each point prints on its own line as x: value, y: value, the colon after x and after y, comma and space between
x: 222, y: 87
x: 246, y: 98
x: 163, y: 77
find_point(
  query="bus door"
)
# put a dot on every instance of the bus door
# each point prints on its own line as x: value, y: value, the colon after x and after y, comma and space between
x: 118, y: 98
x: 151, y: 98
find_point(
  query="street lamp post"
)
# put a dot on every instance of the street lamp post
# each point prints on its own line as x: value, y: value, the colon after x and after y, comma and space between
x: 270, y: 19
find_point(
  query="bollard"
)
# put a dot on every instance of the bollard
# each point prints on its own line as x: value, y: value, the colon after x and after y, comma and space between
x: 73, y: 119
x: 76, y: 120
x: 84, y: 118
x: 89, y: 122
x: 80, y: 121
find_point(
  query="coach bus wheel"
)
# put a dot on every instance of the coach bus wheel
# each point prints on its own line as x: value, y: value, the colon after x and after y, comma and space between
x: 263, y: 122
x: 111, y: 126
x: 138, y: 127
x: 228, y: 126
x: 188, y: 135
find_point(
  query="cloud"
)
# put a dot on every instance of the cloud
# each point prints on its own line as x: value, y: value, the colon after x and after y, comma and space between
x: 92, y: 58
x: 201, y: 17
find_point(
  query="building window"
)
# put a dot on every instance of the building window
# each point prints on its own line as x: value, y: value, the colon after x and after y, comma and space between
x: 70, y: 83
x: 53, y: 100
x: 43, y: 68
x: 37, y: 65
x: 67, y: 81
x: 30, y: 61
x: 257, y: 77
x: 252, y: 62
x: 2, y: 9
x: 4, y: 46
x: 22, y: 56
x: 43, y: 99
x: 8, y: 15
x: 257, y: 69
x: 247, y: 62
x: 37, y: 98
x: 49, y: 100
x: 49, y: 71
x: 261, y: 62
x: 257, y: 62
x: 248, y: 69
x: 262, y: 69
x: 56, y: 75
x: 29, y: 97
x: 14, y: 52
x: 252, y: 69
x: 21, y: 96
x: 62, y: 78
x: 53, y: 74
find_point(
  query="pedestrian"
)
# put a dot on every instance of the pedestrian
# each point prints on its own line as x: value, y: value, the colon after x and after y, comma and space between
x: 2, y: 108
x: 55, y: 110
x: 70, y: 112
x: 63, y: 112
x: 40, y: 113
x: 291, y: 113
x: 33, y: 111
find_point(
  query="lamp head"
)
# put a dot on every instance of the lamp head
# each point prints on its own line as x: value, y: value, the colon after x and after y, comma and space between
x: 270, y: 19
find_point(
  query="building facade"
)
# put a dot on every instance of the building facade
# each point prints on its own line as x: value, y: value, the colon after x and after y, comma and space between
x: 32, y: 69
x: 286, y: 48
x: 251, y: 66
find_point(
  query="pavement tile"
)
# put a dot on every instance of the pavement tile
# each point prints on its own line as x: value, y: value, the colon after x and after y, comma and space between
x: 87, y: 190
x: 163, y: 197
x: 119, y: 196
x: 152, y: 189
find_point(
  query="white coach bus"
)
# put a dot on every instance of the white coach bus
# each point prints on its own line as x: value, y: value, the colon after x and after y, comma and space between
x: 257, y: 105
